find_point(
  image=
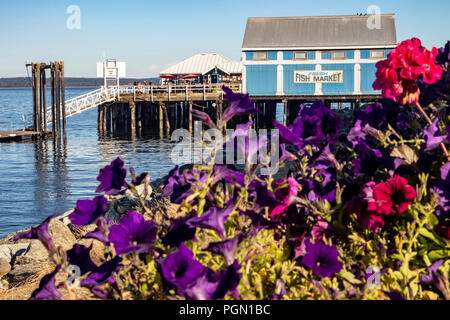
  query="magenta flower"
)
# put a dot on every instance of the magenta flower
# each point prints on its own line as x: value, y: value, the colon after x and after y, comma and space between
x: 47, y: 289
x: 40, y: 232
x: 180, y: 268
x: 393, y: 196
x: 214, y: 219
x: 112, y: 177
x: 322, y: 259
x: 397, y: 75
x: 238, y: 104
x: 285, y: 191
x: 89, y: 211
x: 133, y: 234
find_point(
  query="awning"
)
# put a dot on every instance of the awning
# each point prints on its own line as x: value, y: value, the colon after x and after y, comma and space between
x: 191, y: 76
x: 167, y: 76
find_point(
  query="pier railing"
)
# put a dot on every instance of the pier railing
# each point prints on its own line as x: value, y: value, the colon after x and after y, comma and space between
x: 150, y: 93
x: 177, y: 92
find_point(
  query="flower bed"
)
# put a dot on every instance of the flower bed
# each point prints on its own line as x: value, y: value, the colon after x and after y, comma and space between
x: 364, y: 215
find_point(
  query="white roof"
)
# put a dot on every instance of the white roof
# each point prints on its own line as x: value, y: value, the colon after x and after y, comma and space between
x: 204, y: 62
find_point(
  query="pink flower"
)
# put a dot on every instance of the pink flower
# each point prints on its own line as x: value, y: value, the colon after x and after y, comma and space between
x: 397, y: 75
x: 285, y: 190
x: 393, y: 196
x: 366, y: 209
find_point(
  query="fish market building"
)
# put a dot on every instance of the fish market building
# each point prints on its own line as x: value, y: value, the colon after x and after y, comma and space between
x: 305, y: 58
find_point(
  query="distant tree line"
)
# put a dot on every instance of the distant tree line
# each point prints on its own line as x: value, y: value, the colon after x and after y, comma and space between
x: 25, y: 82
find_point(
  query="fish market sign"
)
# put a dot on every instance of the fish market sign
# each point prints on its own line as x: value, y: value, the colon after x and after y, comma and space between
x: 334, y: 76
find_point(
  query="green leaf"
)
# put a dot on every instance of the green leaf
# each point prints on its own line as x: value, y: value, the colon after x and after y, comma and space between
x: 431, y: 235
x: 433, y: 220
x: 438, y: 254
x: 406, y: 153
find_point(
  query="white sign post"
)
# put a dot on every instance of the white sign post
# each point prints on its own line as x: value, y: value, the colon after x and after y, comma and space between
x: 111, y: 69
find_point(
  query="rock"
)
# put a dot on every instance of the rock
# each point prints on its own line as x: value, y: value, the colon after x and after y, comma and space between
x: 36, y: 252
x: 113, y: 215
x: 22, y: 272
x: 10, y: 251
x: 61, y: 234
x: 5, y: 267
x: 4, y: 285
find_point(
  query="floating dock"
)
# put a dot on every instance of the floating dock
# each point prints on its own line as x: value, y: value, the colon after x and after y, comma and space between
x: 22, y: 135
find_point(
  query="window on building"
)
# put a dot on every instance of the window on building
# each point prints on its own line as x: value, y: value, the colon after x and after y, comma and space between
x: 377, y: 54
x: 338, y: 55
x: 260, y: 56
x: 300, y: 55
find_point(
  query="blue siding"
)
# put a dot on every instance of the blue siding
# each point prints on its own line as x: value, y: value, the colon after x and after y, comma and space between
x: 261, y: 79
x: 311, y: 55
x: 326, y: 55
x: 347, y: 87
x: 365, y: 54
x: 368, y: 77
x: 288, y: 55
x: 291, y: 88
x: 271, y: 55
x: 350, y: 54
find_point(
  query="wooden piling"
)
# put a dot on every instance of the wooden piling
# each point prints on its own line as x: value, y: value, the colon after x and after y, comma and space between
x: 63, y: 97
x: 38, y: 98
x: 44, y: 99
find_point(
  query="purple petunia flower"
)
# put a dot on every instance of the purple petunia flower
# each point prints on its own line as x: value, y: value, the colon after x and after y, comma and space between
x: 133, y: 234
x: 204, y: 117
x: 40, y: 232
x: 103, y: 274
x: 238, y: 104
x: 79, y: 256
x: 180, y: 268
x: 88, y: 211
x: 179, y: 231
x: 314, y: 124
x: 112, y: 177
x: 215, y: 285
x: 280, y: 290
x: 432, y: 273
x: 101, y: 232
x: 258, y: 222
x: 214, y: 218
x: 178, y: 185
x: 226, y: 248
x: 322, y: 259
x: 47, y: 289
x: 433, y: 136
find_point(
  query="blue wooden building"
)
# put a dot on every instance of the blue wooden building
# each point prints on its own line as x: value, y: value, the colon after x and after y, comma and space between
x: 315, y: 57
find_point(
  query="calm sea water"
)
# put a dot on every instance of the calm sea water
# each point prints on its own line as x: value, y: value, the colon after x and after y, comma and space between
x: 37, y: 180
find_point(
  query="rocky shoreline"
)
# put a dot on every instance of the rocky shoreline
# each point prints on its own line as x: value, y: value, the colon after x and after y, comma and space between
x: 25, y: 262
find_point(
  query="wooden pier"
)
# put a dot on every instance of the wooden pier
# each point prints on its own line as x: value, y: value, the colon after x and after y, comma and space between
x: 158, y: 110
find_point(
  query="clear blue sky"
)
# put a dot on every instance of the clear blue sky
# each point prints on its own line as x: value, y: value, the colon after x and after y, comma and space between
x: 150, y: 35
